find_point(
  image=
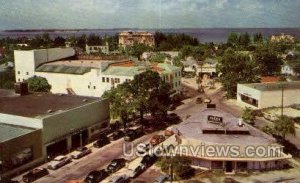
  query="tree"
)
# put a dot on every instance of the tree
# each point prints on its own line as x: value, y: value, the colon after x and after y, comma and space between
x: 248, y: 116
x: 233, y: 39
x: 244, y: 40
x: 158, y: 58
x: 160, y: 101
x: 94, y: 40
x: 236, y: 68
x: 258, y: 38
x: 38, y: 84
x: 121, y: 102
x: 59, y: 41
x: 284, y: 126
x: 181, y: 166
x: 267, y: 60
x: 143, y: 85
x: 137, y: 49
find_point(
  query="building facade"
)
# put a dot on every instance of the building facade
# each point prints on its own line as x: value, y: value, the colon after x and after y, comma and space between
x: 128, y: 38
x: 97, y: 49
x: 45, y: 125
x: 216, y: 140
x: 264, y: 95
x: 86, y: 77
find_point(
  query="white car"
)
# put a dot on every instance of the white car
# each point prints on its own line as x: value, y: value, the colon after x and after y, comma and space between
x: 80, y: 152
x: 58, y: 162
x: 207, y: 100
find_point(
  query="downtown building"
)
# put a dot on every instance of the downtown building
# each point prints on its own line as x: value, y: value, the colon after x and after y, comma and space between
x: 264, y: 95
x: 129, y: 38
x: 68, y: 75
x: 216, y: 140
x: 37, y: 126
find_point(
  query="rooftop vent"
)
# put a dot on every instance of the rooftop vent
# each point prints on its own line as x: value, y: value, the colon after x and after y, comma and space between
x: 50, y: 111
x: 240, y: 122
x: 84, y: 100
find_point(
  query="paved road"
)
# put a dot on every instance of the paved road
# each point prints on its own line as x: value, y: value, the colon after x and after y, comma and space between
x: 97, y: 160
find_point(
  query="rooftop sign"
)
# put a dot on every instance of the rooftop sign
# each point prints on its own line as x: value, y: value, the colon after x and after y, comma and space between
x: 215, y: 119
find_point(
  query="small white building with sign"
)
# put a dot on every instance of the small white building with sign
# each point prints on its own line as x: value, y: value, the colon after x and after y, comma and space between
x: 264, y: 95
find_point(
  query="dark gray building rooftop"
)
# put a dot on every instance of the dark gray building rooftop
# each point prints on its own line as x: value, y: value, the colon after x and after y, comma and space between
x: 228, y: 133
x: 8, y: 132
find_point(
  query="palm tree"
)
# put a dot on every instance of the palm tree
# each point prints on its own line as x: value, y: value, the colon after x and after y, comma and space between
x: 284, y: 125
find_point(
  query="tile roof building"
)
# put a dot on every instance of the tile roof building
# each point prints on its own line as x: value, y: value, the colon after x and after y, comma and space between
x: 128, y: 38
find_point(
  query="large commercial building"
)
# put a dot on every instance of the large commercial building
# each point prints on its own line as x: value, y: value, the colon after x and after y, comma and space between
x: 85, y: 77
x: 128, y: 38
x: 36, y: 126
x: 264, y: 95
x: 216, y: 140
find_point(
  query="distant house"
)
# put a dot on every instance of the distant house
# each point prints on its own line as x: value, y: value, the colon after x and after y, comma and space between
x: 282, y: 38
x: 97, y: 48
x: 208, y: 67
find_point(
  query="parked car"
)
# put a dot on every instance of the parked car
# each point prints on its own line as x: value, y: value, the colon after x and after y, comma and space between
x: 138, y: 170
x: 149, y: 160
x: 58, y: 162
x: 169, y: 132
x: 102, y: 141
x: 207, y: 100
x: 132, y: 134
x: 199, y: 100
x: 162, y: 179
x: 96, y: 176
x: 117, y: 135
x: 116, y: 165
x: 120, y: 179
x: 157, y: 139
x: 35, y: 174
x: 143, y: 148
x: 80, y: 152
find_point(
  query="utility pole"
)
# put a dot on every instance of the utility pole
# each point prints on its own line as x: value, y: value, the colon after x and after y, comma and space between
x: 282, y: 100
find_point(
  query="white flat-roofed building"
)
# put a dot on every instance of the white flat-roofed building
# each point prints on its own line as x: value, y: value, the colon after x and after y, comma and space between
x: 86, y: 77
x: 264, y: 95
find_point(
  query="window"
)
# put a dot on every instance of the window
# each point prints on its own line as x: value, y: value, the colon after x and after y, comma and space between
x: 249, y: 100
x: 19, y: 80
x: 27, y: 73
x: 18, y: 72
x: 107, y: 80
x: 89, y: 87
x: 94, y: 87
x: 103, y: 79
x: 117, y: 80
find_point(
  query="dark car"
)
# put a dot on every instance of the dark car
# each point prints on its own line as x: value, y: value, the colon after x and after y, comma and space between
x: 116, y: 165
x: 96, y: 176
x: 130, y: 135
x: 35, y: 174
x: 149, y: 160
x: 117, y: 135
x: 102, y: 141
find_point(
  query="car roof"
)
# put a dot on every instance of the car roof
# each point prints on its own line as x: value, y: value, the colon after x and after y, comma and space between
x: 161, y: 178
x: 60, y: 157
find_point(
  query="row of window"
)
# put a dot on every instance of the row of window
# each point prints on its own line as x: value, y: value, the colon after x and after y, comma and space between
x: 27, y: 73
x: 112, y: 80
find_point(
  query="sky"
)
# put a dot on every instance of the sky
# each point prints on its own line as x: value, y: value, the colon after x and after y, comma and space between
x: 147, y: 14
